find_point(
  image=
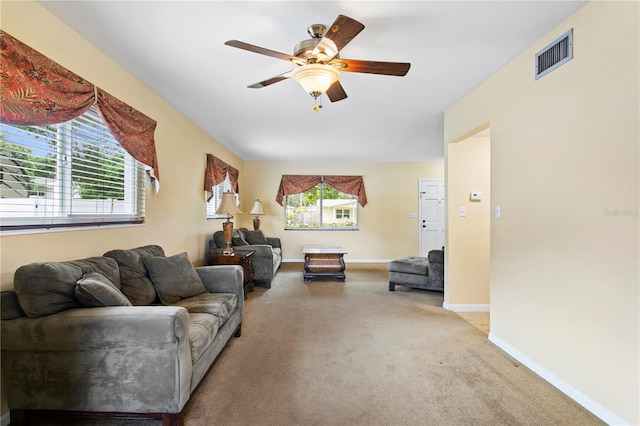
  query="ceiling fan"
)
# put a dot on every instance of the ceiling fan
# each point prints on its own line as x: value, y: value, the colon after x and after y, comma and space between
x: 318, y: 60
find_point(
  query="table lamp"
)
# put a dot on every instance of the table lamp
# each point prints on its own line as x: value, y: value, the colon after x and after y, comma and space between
x: 257, y: 210
x: 229, y: 207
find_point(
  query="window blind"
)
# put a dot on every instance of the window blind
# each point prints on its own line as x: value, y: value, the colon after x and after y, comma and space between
x: 68, y: 174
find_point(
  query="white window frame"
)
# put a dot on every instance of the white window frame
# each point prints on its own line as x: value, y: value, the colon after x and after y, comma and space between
x: 58, y: 201
x: 289, y: 225
x: 342, y: 213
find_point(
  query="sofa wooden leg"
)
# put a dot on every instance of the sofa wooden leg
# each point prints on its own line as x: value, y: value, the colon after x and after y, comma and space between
x: 238, y: 332
x: 392, y: 286
x: 172, y: 419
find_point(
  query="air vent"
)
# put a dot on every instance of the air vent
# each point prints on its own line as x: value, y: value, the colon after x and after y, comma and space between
x: 555, y: 54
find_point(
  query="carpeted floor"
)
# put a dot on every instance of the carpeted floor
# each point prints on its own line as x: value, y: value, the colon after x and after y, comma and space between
x: 353, y: 353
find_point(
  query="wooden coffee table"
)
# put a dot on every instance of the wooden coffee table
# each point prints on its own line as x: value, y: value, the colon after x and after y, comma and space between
x: 323, y: 261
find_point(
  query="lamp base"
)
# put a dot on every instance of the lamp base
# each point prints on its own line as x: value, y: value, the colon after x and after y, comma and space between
x: 227, y: 228
x: 256, y: 223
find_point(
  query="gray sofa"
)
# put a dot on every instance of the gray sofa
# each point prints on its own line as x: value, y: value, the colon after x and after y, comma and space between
x: 268, y: 252
x: 133, y: 331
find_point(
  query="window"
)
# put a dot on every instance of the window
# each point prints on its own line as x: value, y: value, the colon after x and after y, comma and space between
x: 216, y: 198
x: 69, y: 174
x: 343, y: 214
x: 321, y: 207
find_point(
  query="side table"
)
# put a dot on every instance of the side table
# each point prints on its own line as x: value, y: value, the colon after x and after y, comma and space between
x: 239, y: 257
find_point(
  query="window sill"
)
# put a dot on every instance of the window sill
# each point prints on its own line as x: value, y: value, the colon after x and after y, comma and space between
x: 6, y: 233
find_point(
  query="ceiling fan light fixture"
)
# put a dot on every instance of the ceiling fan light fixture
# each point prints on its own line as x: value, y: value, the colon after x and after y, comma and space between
x: 316, y: 78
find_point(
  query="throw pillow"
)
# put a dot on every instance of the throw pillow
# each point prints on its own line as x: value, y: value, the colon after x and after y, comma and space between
x: 174, y: 277
x: 237, y: 238
x: 255, y: 237
x: 96, y: 290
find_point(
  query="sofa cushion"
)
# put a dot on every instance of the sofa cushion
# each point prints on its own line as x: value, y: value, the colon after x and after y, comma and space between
x: 95, y: 290
x: 202, y: 330
x: 136, y: 284
x: 222, y: 305
x: 44, y: 288
x: 255, y: 237
x: 238, y: 238
x: 277, y: 258
x: 416, y: 265
x: 174, y: 277
x: 9, y: 306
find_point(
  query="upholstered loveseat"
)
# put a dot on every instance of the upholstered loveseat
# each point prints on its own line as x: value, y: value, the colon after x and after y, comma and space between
x: 133, y: 331
x: 268, y: 252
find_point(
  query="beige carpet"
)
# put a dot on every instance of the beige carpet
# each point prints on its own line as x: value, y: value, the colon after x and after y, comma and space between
x: 353, y: 353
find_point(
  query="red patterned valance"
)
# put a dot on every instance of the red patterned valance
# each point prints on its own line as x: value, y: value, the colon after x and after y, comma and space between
x: 294, y: 184
x: 215, y: 173
x: 36, y: 91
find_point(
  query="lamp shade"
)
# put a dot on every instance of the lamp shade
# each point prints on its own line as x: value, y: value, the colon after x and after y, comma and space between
x: 257, y: 208
x: 228, y: 204
x: 316, y: 78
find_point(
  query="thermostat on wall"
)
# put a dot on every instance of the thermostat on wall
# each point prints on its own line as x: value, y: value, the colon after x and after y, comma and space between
x: 475, y: 196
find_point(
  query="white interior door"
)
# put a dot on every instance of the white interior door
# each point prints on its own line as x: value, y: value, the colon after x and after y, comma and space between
x: 432, y: 211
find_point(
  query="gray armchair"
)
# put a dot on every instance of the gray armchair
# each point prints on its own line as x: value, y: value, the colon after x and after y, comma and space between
x: 266, y: 259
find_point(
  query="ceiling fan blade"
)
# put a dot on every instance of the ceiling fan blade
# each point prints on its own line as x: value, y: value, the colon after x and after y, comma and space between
x: 373, y: 67
x: 261, y: 50
x: 270, y: 81
x: 341, y: 32
x: 336, y: 92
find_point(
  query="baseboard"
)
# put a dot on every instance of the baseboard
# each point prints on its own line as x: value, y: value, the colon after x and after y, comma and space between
x: 5, y: 419
x: 346, y: 261
x: 590, y: 405
x: 465, y: 308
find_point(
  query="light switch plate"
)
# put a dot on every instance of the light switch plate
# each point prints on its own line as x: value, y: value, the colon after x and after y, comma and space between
x: 463, y: 211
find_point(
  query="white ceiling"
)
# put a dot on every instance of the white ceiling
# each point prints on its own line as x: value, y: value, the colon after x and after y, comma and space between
x: 177, y: 49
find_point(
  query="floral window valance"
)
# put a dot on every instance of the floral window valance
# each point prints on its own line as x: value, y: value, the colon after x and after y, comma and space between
x: 216, y: 172
x: 294, y: 184
x: 37, y: 91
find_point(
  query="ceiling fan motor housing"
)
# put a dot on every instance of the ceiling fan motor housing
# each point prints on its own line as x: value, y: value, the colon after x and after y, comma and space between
x: 317, y: 30
x: 304, y: 49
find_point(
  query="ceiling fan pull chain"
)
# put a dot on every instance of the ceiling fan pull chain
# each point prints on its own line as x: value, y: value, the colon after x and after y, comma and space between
x: 318, y: 104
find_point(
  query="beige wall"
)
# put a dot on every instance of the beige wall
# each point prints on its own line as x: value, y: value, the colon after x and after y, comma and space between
x: 565, y: 170
x: 386, y: 230
x: 468, y: 237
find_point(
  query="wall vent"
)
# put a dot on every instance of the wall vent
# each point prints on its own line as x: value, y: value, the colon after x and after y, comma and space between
x: 557, y: 53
